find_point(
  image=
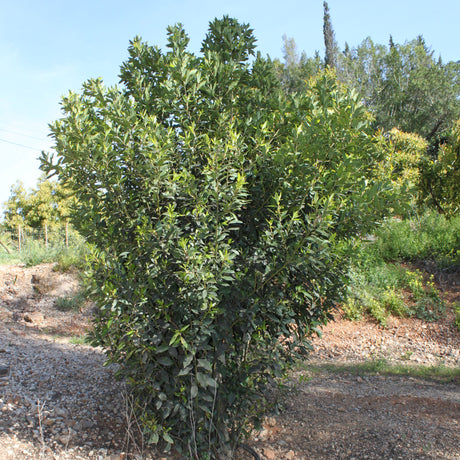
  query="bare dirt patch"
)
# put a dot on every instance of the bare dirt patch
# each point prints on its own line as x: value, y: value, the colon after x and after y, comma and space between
x: 58, y: 401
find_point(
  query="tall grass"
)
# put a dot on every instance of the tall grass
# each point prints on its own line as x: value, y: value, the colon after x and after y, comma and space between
x: 35, y: 252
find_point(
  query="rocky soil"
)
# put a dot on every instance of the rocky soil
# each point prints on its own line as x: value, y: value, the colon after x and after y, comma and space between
x: 58, y: 401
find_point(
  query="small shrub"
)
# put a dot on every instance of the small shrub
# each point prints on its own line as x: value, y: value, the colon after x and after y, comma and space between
x: 352, y: 309
x: 429, y: 309
x: 377, y: 310
x: 414, y: 281
x: 394, y: 303
x: 36, y: 253
x: 81, y: 340
x: 72, y: 257
x: 440, y: 175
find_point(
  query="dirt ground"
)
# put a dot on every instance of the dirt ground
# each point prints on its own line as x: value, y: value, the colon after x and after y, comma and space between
x: 58, y: 401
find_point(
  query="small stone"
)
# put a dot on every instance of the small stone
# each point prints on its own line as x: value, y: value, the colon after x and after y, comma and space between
x: 116, y: 457
x: 263, y: 435
x: 290, y: 455
x: 269, y: 454
x: 271, y: 421
x: 33, y: 317
x: 4, y: 370
x: 48, y: 422
x: 64, y: 439
x: 86, y: 424
x: 60, y: 412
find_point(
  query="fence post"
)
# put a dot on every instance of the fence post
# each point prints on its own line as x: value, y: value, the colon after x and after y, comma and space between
x: 46, y: 234
x: 66, y: 233
x: 5, y: 247
x: 19, y: 238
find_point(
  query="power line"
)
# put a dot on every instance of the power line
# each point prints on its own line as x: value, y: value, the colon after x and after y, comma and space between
x: 20, y: 145
x: 22, y: 134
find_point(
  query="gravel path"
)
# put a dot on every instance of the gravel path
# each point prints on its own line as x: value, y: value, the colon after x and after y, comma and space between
x: 58, y: 401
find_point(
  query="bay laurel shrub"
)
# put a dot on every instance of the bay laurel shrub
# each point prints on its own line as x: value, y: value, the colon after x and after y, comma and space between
x: 213, y: 204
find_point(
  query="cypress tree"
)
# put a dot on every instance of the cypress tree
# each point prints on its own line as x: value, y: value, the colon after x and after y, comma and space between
x: 329, y: 40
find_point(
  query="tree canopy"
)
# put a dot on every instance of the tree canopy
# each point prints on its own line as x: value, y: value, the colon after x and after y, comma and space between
x: 403, y: 85
x: 46, y: 204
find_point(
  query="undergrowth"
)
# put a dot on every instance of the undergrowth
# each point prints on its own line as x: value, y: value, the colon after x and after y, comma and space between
x: 430, y: 236
x: 73, y: 302
x: 381, y: 284
x: 35, y: 252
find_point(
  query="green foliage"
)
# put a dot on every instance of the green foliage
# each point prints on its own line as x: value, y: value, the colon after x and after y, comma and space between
x: 408, y: 151
x: 73, y: 302
x: 34, y: 251
x: 406, y: 87
x: 81, y: 340
x: 362, y: 68
x: 295, y: 71
x: 440, y: 175
x: 15, y: 206
x: 49, y: 203
x: 428, y: 237
x: 213, y: 204
x: 330, y: 44
x: 403, y: 85
x: 456, y: 308
x: 380, y: 289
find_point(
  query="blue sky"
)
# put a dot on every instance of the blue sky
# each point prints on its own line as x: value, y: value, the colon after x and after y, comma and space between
x: 49, y: 47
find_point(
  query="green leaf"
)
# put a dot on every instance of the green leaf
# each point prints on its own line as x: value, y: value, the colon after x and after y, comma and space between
x: 193, y: 391
x: 205, y: 364
x: 165, y: 361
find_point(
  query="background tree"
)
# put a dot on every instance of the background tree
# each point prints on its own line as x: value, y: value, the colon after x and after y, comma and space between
x: 403, y: 85
x: 46, y: 204
x: 213, y: 202
x: 330, y: 43
x: 15, y: 206
x: 408, y: 151
x: 363, y: 69
x: 417, y: 94
x: 295, y: 70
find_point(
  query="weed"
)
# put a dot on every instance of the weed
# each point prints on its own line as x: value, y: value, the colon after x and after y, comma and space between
x: 352, y: 309
x: 429, y: 309
x: 406, y: 355
x: 456, y: 307
x: 71, y: 303
x: 80, y: 340
x: 394, y: 303
x: 381, y: 288
x: 414, y: 281
x: 305, y: 378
